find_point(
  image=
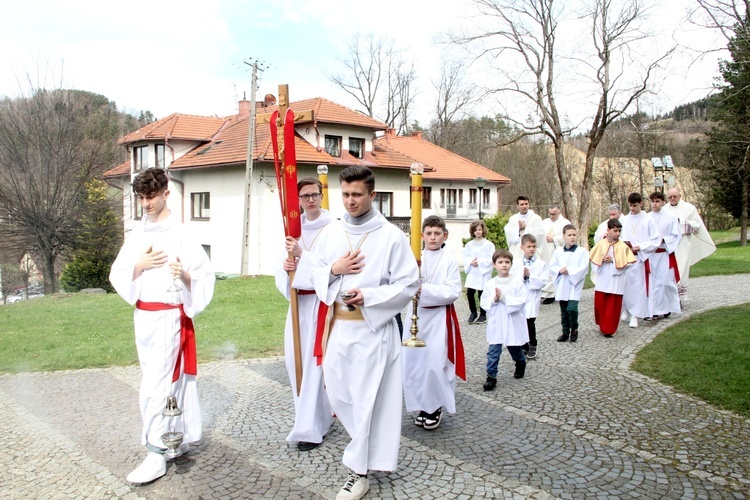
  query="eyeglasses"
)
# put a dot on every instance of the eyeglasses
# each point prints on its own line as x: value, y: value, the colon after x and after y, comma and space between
x: 310, y: 197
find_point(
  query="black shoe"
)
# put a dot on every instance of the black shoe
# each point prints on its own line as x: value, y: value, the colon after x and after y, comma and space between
x: 563, y: 338
x: 490, y: 383
x: 573, y: 335
x: 305, y: 446
x: 532, y: 352
x: 481, y: 319
x: 419, y: 419
x: 525, y: 349
x: 548, y: 300
x: 520, y: 369
x: 432, y: 420
x: 472, y: 318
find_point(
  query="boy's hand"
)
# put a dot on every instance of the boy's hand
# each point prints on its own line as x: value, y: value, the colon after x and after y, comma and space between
x: 292, y: 247
x: 351, y: 263
x: 607, y: 258
x: 525, y: 272
x: 290, y: 264
x: 474, y: 262
x: 150, y: 260
x: 564, y: 270
x: 498, y: 294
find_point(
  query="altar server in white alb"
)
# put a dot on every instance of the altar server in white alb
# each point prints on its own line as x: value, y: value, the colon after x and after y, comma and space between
x: 312, y: 412
x: 569, y: 267
x: 430, y: 372
x: 524, y: 222
x: 534, y: 273
x: 640, y: 233
x: 665, y: 273
x: 477, y: 256
x: 158, y: 257
x: 553, y: 239
x: 696, y: 243
x: 367, y: 274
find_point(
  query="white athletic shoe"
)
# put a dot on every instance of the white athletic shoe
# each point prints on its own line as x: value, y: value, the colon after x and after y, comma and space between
x: 624, y: 316
x: 633, y: 322
x: 152, y: 468
x: 354, y: 488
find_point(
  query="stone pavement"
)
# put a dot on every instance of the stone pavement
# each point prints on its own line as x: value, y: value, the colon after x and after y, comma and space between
x: 580, y: 424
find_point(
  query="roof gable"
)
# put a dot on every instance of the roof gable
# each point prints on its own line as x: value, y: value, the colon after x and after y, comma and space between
x: 177, y: 127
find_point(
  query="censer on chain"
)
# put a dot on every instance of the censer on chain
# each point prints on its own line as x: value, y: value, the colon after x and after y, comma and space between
x: 172, y: 439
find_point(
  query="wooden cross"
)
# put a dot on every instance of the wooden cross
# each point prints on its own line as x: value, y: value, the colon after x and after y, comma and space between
x: 299, y: 116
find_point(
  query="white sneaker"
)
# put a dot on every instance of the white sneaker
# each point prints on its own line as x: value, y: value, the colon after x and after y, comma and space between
x: 624, y: 316
x: 633, y: 322
x: 354, y: 488
x: 152, y: 468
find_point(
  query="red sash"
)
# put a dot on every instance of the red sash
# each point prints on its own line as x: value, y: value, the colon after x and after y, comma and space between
x: 320, y: 328
x: 187, y: 337
x: 455, y: 343
x: 647, y: 270
x: 672, y: 264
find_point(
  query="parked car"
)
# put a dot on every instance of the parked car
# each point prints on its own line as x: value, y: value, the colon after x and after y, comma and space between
x: 17, y: 297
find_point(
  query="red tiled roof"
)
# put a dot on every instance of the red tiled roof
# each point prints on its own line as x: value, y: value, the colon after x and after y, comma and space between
x: 119, y: 171
x: 325, y: 111
x: 177, y: 126
x: 439, y: 163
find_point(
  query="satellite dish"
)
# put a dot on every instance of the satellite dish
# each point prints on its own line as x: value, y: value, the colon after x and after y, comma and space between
x: 269, y: 99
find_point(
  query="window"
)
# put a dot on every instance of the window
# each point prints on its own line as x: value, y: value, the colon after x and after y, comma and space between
x: 333, y: 145
x: 201, y: 206
x: 137, y: 208
x: 460, y: 198
x: 160, y: 156
x: 383, y: 203
x: 140, y: 158
x: 485, y: 197
x: 442, y: 198
x: 426, y: 197
x: 357, y: 147
x: 472, y: 198
x: 450, y: 211
x: 207, y: 249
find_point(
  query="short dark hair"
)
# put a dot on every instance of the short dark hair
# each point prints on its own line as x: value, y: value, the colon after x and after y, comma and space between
x: 150, y: 182
x: 613, y: 223
x: 434, y: 221
x: 356, y: 173
x: 635, y: 198
x: 568, y: 227
x: 657, y: 195
x: 527, y: 238
x: 502, y: 254
x: 475, y: 224
x: 309, y: 181
x: 522, y: 197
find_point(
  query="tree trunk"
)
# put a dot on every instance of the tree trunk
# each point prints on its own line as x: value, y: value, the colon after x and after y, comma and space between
x: 50, y: 278
x: 744, y: 214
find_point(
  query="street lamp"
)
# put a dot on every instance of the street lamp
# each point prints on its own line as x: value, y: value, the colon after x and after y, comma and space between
x: 480, y: 182
x: 661, y: 166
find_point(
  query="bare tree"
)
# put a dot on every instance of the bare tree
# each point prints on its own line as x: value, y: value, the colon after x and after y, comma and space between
x: 527, y: 31
x: 379, y: 78
x: 51, y: 143
x: 455, y: 97
x: 721, y: 15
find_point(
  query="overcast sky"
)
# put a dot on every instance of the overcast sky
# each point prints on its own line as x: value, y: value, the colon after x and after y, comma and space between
x: 187, y: 56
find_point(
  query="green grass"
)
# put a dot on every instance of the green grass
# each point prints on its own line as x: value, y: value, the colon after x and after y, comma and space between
x: 245, y: 319
x: 725, y: 235
x: 707, y: 356
x: 729, y: 258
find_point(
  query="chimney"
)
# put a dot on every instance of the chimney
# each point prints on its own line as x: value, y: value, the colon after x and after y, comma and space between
x: 417, y: 134
x: 244, y: 106
x: 390, y: 132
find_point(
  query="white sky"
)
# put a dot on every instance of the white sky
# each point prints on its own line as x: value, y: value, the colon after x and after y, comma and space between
x: 187, y: 56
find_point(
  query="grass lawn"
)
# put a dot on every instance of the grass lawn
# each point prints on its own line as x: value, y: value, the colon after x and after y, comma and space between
x: 729, y: 258
x: 707, y: 356
x: 245, y: 319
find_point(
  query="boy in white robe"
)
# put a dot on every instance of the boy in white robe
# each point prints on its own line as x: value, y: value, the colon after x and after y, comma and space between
x: 639, y: 232
x: 166, y: 274
x: 665, y: 273
x: 533, y: 271
x: 312, y: 412
x: 477, y: 257
x: 504, y: 298
x: 524, y: 222
x: 609, y: 258
x: 366, y: 273
x: 430, y: 372
x: 569, y: 267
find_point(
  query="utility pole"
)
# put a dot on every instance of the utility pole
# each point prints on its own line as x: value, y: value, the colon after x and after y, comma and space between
x: 249, y: 168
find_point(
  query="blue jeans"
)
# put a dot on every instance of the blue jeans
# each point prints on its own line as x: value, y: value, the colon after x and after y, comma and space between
x: 493, y: 357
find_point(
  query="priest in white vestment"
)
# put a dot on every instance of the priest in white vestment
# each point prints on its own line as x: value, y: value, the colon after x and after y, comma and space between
x: 553, y: 239
x: 524, y: 222
x: 614, y: 212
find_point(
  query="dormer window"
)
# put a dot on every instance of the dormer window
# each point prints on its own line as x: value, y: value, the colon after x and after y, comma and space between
x: 333, y: 145
x: 140, y: 158
x: 357, y: 147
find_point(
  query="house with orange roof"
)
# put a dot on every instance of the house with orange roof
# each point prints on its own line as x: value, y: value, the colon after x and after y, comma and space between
x: 206, y: 159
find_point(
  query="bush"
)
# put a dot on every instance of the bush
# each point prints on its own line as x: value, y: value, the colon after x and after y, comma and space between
x: 82, y: 272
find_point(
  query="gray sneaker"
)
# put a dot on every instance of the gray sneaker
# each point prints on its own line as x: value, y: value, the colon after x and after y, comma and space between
x: 532, y: 352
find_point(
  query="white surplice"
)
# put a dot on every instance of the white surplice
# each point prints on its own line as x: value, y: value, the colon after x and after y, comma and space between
x: 506, y: 319
x: 696, y: 242
x: 553, y: 229
x: 538, y: 278
x: 429, y: 377
x: 513, y: 231
x: 641, y: 231
x: 157, y: 333
x: 569, y: 286
x: 477, y: 276
x: 664, y: 296
x: 312, y: 412
x: 609, y: 279
x: 362, y: 364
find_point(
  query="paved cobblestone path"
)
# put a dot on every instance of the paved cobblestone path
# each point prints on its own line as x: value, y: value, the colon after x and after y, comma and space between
x: 580, y: 424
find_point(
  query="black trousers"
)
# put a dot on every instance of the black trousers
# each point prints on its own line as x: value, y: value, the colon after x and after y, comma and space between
x: 473, y: 305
